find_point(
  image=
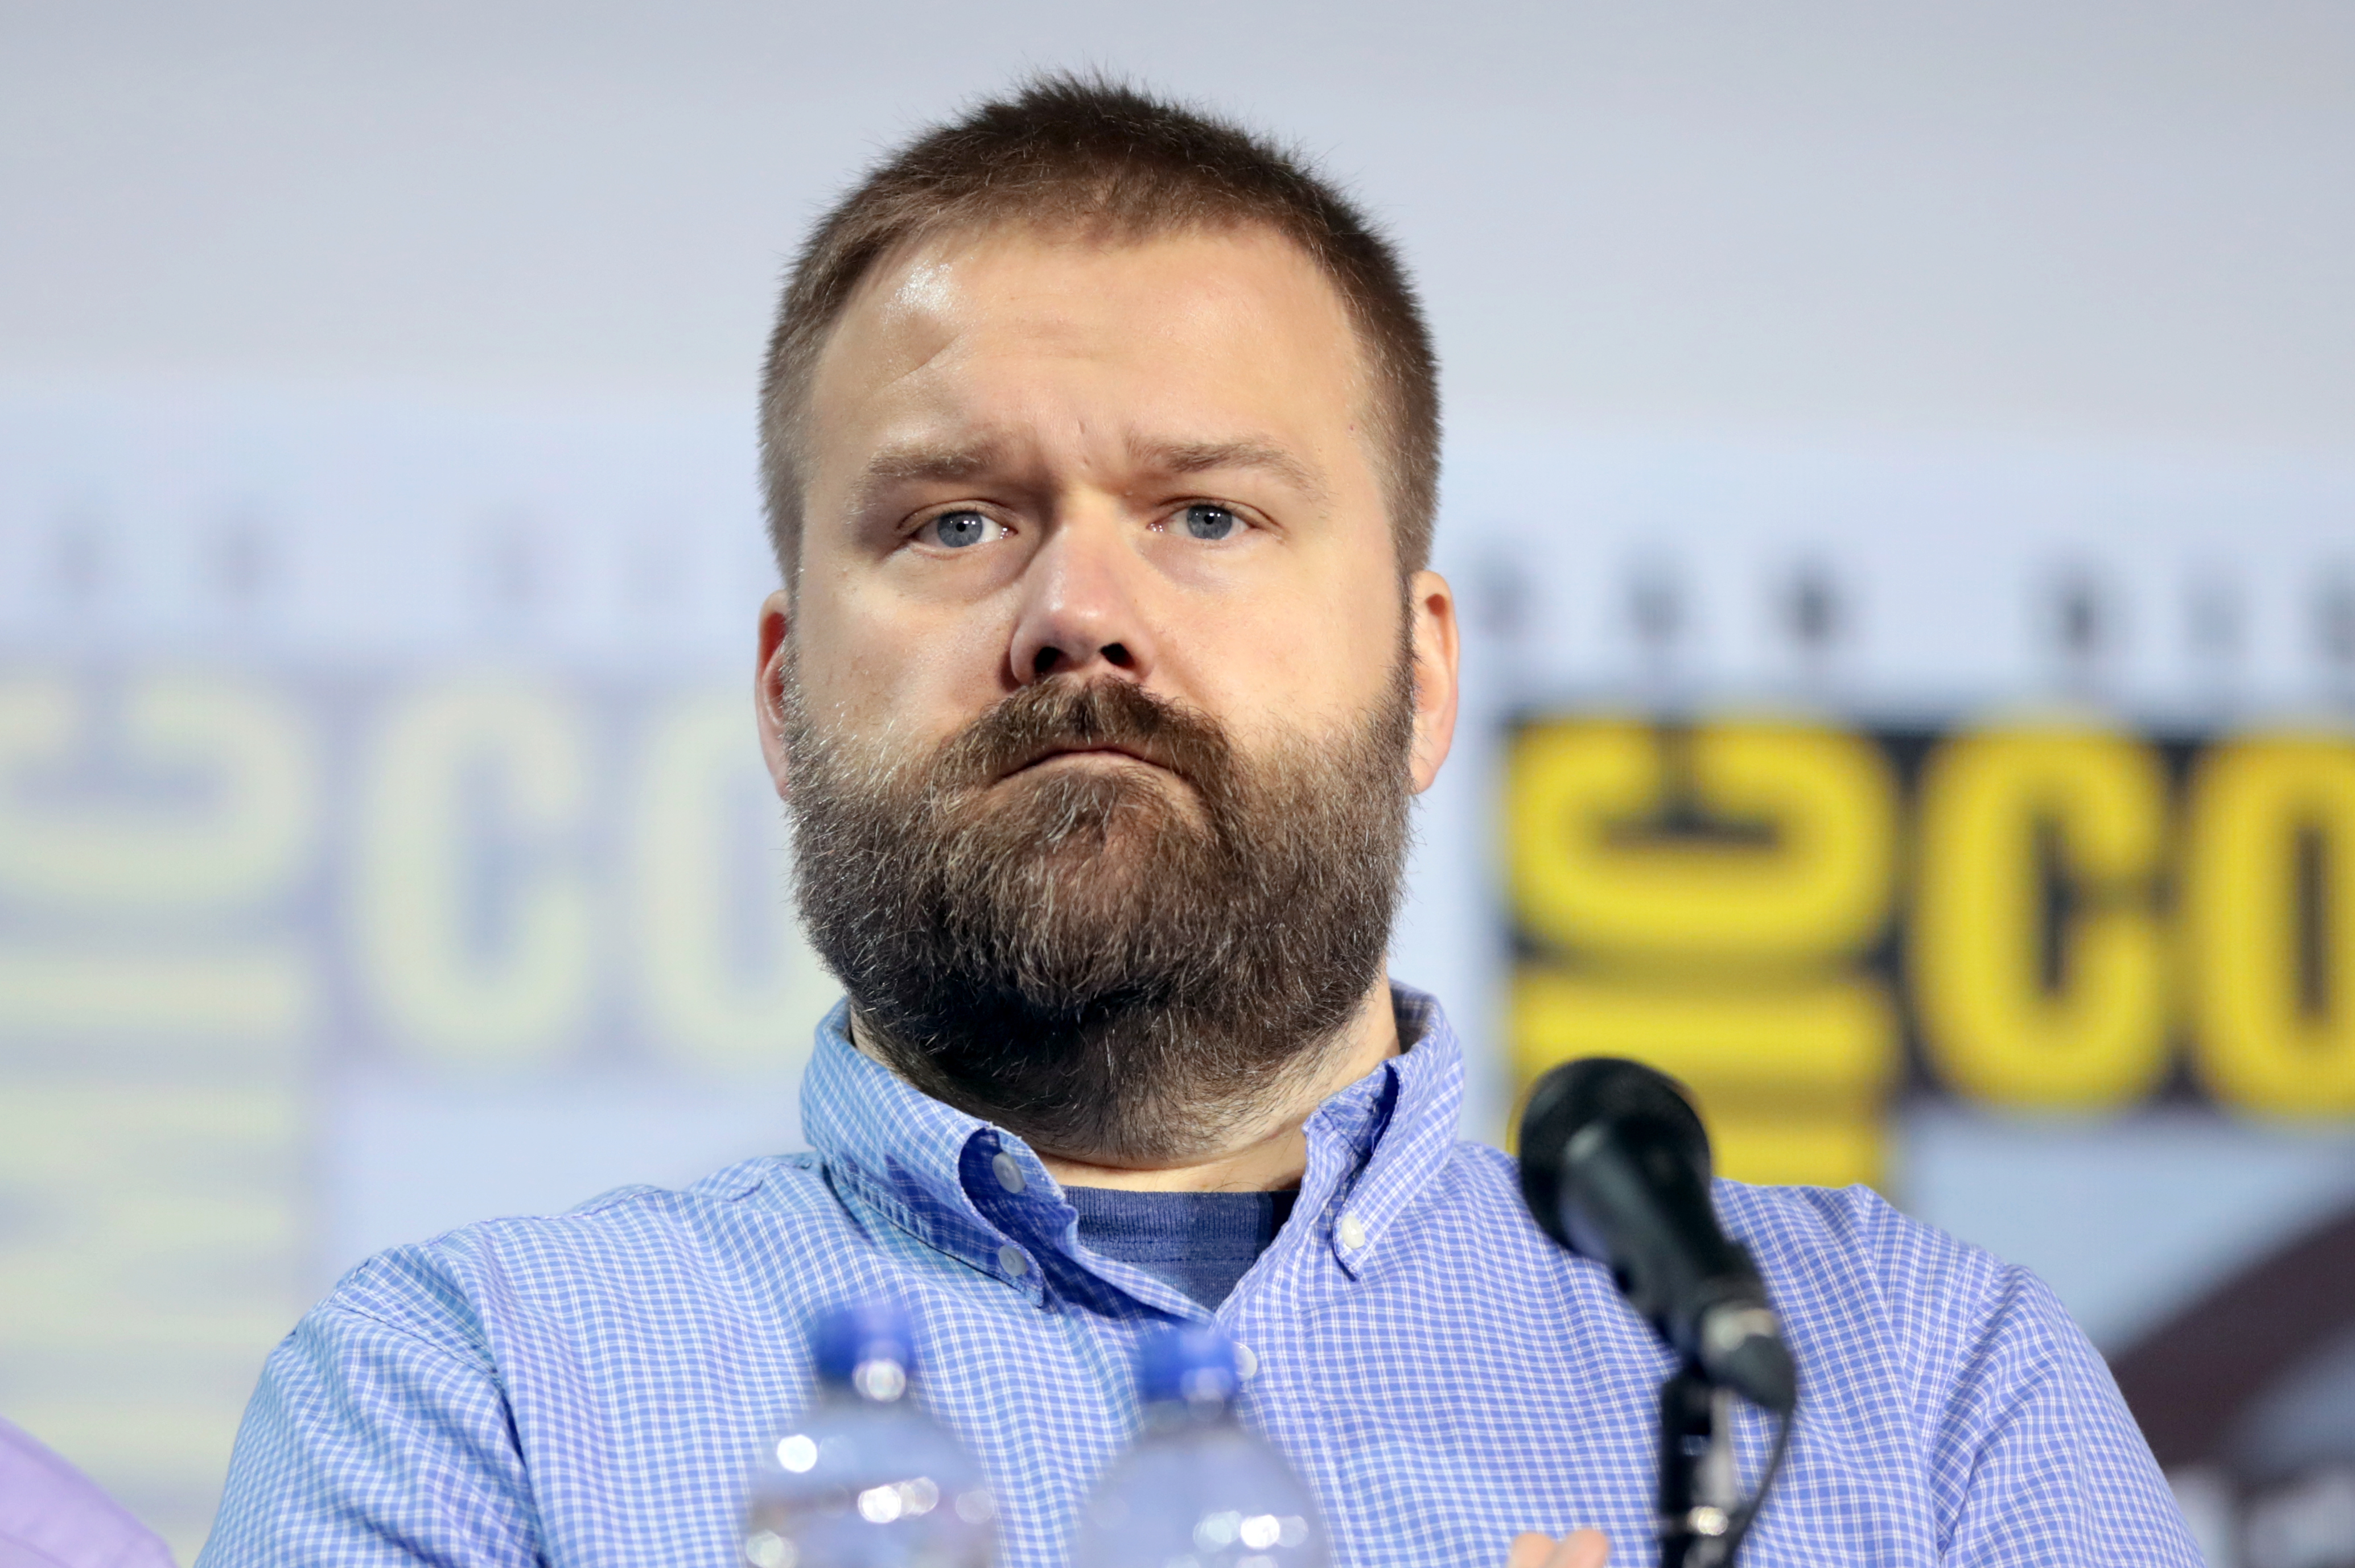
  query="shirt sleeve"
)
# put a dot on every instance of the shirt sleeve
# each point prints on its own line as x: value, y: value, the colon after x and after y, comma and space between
x: 2038, y: 1460
x: 369, y: 1443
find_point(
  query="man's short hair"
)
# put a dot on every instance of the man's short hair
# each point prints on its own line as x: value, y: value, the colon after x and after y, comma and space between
x: 1106, y: 159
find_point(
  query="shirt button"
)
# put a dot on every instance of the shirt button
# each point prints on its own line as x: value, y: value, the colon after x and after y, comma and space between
x: 1246, y: 1364
x: 1352, y: 1232
x: 1010, y: 1258
x: 1010, y: 1171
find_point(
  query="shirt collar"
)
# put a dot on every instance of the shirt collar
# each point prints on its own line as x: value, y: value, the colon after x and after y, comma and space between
x: 903, y: 1154
x: 979, y: 1194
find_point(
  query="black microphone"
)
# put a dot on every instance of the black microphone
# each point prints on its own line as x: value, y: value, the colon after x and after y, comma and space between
x: 1616, y: 1166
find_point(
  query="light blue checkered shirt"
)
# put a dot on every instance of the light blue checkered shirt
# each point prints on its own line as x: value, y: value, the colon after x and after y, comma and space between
x: 592, y: 1388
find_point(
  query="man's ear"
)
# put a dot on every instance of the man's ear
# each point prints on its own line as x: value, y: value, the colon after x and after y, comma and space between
x: 1432, y: 633
x: 769, y: 686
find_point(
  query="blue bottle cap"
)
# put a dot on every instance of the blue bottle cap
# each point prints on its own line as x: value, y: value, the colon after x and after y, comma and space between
x: 866, y: 1345
x: 1193, y: 1364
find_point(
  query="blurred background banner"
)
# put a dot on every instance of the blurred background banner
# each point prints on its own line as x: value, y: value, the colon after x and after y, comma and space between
x: 383, y: 843
x: 1979, y: 825
x: 1900, y: 492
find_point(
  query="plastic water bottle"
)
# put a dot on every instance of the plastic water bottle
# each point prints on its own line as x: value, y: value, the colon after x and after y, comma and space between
x: 865, y: 1479
x: 1198, y: 1490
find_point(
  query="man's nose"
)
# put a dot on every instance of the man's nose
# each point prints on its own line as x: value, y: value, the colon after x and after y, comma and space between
x: 1080, y: 611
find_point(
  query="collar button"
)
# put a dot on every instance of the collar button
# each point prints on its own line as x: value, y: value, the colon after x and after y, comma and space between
x: 1008, y: 1171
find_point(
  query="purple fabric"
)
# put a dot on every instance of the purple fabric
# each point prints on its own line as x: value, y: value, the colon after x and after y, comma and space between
x: 53, y: 1516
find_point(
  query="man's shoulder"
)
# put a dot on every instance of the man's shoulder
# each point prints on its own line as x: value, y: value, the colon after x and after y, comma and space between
x: 635, y: 1244
x: 1855, y: 1222
x: 1863, y: 1286
x: 1836, y: 1249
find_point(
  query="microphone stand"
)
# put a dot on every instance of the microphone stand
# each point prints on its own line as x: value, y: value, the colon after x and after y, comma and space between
x: 1703, y: 1516
x: 1700, y: 1497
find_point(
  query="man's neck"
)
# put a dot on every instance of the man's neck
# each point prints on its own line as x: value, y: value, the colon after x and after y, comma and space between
x: 1271, y: 1157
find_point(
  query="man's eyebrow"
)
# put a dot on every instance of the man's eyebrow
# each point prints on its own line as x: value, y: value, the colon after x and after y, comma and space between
x: 909, y: 462
x: 912, y: 463
x: 1203, y: 457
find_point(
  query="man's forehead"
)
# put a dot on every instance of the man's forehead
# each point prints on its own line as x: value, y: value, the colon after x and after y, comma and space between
x: 1041, y: 283
x: 1213, y: 349
x: 916, y: 268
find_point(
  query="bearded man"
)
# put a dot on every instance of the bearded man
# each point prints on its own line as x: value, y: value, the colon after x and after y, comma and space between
x: 1101, y: 445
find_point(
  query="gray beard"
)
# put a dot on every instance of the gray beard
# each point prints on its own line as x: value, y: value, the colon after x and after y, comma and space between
x: 1110, y: 965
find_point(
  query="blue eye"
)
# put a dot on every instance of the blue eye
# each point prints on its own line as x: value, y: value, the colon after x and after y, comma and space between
x: 958, y: 529
x: 1204, y: 521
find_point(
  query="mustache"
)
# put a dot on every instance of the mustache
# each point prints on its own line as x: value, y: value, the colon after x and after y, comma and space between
x: 1105, y: 714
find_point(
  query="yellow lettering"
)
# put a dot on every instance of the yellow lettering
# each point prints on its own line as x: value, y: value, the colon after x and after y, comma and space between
x: 1707, y: 894
x: 2036, y: 948
x: 1790, y: 1077
x: 1792, y: 860
x: 2270, y: 906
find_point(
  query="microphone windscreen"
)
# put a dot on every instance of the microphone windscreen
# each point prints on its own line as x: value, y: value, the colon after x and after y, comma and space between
x: 1591, y: 1091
